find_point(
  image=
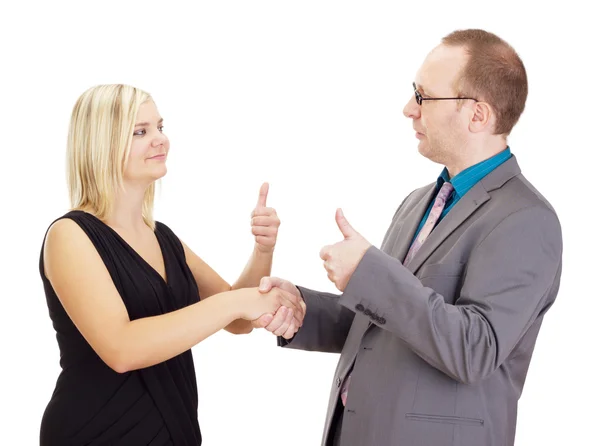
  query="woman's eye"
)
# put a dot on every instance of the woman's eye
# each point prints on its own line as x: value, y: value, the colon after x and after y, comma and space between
x: 140, y: 132
x: 161, y: 128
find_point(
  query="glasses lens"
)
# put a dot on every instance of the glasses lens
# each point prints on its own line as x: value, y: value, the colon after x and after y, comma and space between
x: 418, y: 96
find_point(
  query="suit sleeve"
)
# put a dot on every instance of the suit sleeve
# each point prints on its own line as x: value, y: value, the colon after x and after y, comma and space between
x: 326, y: 324
x: 510, y: 279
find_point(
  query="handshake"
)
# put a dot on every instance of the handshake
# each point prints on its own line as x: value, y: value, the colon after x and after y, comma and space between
x: 286, y: 307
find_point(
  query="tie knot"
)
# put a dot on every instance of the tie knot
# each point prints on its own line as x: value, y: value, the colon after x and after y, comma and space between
x: 445, y: 190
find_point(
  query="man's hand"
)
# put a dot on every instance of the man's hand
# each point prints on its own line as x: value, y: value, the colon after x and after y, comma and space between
x: 341, y: 259
x: 285, y: 322
x: 264, y: 222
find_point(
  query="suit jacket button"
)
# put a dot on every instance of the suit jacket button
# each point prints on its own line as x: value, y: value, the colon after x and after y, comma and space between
x: 359, y: 307
x: 338, y: 382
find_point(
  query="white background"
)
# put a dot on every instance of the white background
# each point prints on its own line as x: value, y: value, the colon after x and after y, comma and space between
x: 307, y: 95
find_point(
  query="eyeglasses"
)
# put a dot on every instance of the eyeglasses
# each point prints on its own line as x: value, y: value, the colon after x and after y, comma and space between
x: 420, y: 98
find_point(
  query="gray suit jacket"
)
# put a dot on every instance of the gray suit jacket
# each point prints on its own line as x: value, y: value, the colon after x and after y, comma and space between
x: 441, y: 348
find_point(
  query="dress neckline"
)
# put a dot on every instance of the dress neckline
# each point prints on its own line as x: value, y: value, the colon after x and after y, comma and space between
x: 134, y: 252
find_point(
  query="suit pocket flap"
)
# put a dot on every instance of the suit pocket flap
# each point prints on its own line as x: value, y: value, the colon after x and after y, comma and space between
x: 444, y: 419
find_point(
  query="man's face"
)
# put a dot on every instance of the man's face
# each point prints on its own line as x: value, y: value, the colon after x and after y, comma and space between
x: 442, y: 127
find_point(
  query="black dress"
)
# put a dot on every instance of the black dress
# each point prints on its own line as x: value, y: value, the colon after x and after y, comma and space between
x: 94, y: 405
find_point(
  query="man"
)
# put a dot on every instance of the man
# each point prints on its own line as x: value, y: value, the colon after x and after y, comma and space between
x: 437, y: 328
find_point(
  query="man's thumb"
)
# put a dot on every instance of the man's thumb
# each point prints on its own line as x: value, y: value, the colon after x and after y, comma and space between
x: 347, y: 230
x: 265, y: 285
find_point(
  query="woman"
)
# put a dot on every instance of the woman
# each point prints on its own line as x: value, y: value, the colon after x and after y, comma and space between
x: 126, y: 297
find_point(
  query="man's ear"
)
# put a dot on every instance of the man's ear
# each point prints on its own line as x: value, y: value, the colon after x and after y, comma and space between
x: 482, y: 117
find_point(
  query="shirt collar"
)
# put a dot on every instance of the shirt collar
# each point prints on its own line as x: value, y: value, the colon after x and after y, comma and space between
x: 465, y: 180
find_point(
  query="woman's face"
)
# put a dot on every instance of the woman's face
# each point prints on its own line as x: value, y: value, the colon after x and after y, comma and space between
x: 149, y: 147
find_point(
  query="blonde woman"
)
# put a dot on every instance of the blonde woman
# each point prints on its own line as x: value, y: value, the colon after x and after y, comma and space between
x: 126, y: 297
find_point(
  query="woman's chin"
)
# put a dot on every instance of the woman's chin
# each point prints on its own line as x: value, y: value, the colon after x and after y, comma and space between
x: 159, y: 172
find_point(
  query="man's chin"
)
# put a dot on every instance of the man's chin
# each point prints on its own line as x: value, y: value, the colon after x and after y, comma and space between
x: 423, y: 148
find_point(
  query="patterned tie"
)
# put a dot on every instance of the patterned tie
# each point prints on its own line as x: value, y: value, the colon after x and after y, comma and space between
x: 434, y: 215
x: 344, y: 394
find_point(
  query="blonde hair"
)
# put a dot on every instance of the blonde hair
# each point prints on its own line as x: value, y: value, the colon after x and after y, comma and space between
x: 100, y: 134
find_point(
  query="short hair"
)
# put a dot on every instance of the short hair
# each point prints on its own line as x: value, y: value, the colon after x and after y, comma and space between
x: 494, y: 73
x: 100, y: 135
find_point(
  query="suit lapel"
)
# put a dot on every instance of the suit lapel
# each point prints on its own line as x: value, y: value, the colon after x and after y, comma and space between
x: 455, y: 217
x: 468, y: 204
x: 405, y: 233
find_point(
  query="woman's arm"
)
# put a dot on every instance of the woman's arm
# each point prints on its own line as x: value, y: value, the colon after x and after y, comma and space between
x: 210, y: 282
x: 86, y: 291
x: 265, y: 225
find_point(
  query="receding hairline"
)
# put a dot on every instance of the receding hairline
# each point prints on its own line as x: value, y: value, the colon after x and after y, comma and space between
x: 434, y: 57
